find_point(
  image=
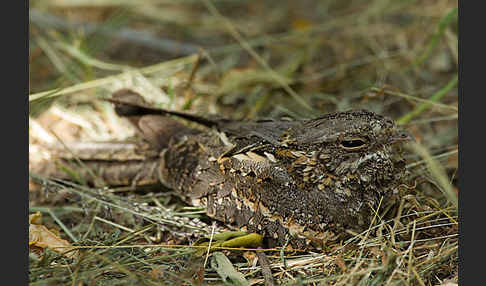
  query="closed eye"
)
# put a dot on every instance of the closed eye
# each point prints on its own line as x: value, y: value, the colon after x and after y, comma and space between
x: 353, y: 144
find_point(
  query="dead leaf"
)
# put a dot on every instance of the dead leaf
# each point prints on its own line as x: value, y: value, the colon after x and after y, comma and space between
x: 35, y: 218
x: 40, y: 236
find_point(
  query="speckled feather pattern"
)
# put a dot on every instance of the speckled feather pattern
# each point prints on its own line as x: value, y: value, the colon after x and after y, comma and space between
x: 298, y: 181
x: 295, y: 181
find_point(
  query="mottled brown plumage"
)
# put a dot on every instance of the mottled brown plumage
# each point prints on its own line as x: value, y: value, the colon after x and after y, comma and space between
x: 289, y: 180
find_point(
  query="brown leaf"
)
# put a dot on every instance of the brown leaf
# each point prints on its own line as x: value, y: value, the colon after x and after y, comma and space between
x: 35, y: 218
x: 42, y: 237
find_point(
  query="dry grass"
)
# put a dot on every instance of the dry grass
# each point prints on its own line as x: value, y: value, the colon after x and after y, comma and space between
x: 255, y: 59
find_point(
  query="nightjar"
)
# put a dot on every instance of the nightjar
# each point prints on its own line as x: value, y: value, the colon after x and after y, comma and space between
x: 297, y: 181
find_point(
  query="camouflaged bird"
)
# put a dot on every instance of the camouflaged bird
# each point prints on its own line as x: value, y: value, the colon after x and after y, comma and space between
x: 288, y: 180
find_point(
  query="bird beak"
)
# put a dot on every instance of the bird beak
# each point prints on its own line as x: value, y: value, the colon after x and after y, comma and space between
x: 401, y: 136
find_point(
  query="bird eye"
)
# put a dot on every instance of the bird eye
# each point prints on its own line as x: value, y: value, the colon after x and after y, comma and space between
x: 353, y: 144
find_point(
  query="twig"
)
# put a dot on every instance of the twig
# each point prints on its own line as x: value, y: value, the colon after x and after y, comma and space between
x: 114, y: 224
x: 264, y: 263
x: 209, y: 244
